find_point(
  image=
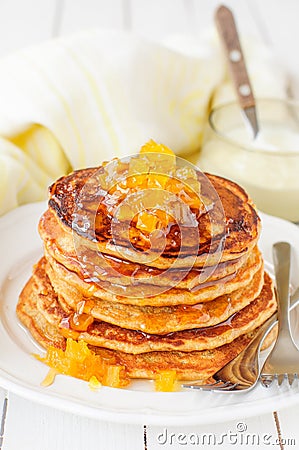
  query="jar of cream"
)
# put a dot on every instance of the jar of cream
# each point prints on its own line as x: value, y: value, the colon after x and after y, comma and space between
x: 267, y: 166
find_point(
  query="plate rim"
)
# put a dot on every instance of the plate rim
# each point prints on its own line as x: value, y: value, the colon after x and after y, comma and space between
x: 148, y: 416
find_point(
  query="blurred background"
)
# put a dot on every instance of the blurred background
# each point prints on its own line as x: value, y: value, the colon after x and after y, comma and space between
x: 27, y: 22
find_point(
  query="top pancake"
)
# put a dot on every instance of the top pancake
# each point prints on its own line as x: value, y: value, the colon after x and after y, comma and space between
x: 227, y: 231
x: 59, y: 244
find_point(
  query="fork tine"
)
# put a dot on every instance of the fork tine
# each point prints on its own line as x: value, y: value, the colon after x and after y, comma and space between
x: 227, y: 388
x: 219, y: 386
x: 267, y: 380
x: 281, y: 378
x: 291, y: 378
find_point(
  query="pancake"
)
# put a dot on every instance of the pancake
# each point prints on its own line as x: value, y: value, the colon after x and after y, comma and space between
x: 196, y: 365
x: 42, y: 331
x: 155, y: 319
x: 67, y: 281
x: 228, y: 230
x: 59, y: 244
x: 113, y: 337
x: 129, y: 341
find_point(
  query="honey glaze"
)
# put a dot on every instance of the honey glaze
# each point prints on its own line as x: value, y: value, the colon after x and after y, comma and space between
x: 144, y: 193
x: 78, y: 321
x: 213, y: 283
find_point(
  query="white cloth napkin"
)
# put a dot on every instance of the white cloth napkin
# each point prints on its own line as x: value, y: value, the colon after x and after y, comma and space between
x: 76, y: 101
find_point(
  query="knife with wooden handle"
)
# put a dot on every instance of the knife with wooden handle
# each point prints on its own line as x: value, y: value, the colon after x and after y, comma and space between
x: 229, y: 35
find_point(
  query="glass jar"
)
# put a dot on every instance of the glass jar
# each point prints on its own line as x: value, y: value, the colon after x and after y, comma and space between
x: 267, y: 166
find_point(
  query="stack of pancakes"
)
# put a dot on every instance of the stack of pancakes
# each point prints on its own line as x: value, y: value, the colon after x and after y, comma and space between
x: 145, y: 314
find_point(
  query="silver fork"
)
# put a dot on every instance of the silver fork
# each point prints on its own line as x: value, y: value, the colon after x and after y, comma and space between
x: 242, y: 373
x: 283, y: 361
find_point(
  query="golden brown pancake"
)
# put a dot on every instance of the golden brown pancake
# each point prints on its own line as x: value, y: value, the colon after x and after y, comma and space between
x: 59, y: 244
x: 155, y: 319
x: 199, y: 365
x: 129, y: 341
x: 103, y: 334
x: 44, y: 332
x: 221, y: 236
x: 66, y: 280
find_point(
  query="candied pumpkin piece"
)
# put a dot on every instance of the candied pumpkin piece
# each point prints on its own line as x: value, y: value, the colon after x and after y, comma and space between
x: 186, y: 172
x: 138, y: 165
x: 76, y: 350
x: 102, y: 180
x: 114, y: 377
x: 79, y: 361
x: 153, y: 147
x: 94, y: 383
x: 68, y: 333
x: 184, y: 192
x: 148, y: 222
x: 156, y: 181
x: 137, y: 181
x: 160, y: 158
x: 164, y: 217
x: 124, y: 212
x: 165, y: 381
x: 80, y: 321
x: 190, y: 198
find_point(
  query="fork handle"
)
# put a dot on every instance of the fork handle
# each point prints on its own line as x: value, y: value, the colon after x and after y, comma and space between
x: 282, y: 264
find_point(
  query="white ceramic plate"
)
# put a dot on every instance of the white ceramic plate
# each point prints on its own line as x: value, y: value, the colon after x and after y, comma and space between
x: 20, y: 248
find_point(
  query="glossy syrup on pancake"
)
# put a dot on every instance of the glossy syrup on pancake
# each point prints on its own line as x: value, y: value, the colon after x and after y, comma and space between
x: 170, y: 297
x: 240, y: 230
x: 188, y: 365
x: 59, y: 244
x: 155, y: 319
x: 106, y: 335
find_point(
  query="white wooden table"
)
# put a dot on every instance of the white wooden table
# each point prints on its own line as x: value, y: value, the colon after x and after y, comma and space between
x: 29, y: 426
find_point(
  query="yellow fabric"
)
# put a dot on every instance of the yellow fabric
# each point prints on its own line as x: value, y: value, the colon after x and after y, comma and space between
x: 80, y: 100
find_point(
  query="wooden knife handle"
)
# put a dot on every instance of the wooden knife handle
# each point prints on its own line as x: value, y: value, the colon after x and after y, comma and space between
x: 228, y: 32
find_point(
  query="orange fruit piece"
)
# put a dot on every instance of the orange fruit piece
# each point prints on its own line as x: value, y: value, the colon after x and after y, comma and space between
x: 166, y: 381
x: 152, y: 147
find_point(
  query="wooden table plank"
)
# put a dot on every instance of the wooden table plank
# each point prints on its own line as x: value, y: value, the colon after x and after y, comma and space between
x: 3, y: 414
x: 288, y: 423
x: 25, y: 23
x: 30, y: 426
